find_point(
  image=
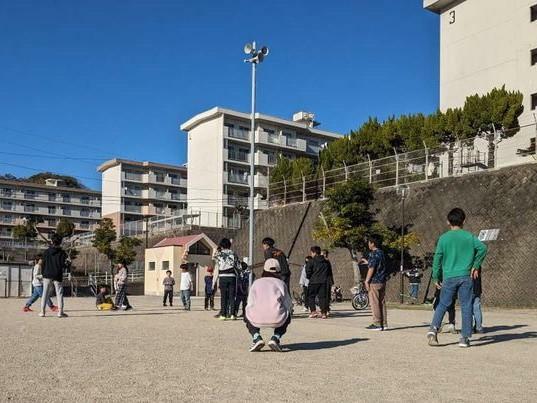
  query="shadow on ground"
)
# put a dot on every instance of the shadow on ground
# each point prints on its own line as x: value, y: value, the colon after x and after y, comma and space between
x: 321, y: 345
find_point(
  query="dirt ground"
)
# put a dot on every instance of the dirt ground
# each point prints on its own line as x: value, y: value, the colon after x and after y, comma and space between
x: 165, y: 354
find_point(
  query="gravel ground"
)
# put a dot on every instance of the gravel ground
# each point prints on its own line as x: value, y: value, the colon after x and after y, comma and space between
x: 165, y: 354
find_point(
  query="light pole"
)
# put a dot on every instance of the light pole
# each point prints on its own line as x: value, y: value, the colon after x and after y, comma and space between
x: 402, y: 190
x: 255, y: 57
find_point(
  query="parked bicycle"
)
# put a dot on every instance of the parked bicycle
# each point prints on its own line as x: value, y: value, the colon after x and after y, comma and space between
x: 360, y: 298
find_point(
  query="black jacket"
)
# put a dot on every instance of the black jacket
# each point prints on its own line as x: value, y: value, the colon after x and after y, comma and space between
x: 54, y: 263
x: 274, y: 253
x: 318, y: 270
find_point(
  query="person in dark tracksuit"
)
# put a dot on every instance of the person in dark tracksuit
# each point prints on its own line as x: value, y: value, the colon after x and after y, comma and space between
x: 271, y: 252
x: 318, y: 271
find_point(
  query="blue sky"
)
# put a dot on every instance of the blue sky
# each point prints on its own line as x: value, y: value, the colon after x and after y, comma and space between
x: 102, y: 79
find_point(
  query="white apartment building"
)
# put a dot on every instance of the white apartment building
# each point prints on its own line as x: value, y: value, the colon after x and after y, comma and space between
x: 219, y: 158
x: 486, y: 44
x: 133, y: 191
x: 48, y: 203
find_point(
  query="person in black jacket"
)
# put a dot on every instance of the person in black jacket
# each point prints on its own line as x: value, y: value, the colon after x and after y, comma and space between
x: 318, y: 271
x: 271, y: 252
x: 55, y: 262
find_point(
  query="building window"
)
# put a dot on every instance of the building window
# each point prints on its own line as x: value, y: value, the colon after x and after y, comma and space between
x: 151, y: 266
x: 51, y: 209
x: 29, y: 208
x: 7, y: 192
x: 84, y: 225
x: 533, y: 102
x: 67, y: 211
x: 84, y: 212
x: 51, y: 222
x: 52, y: 197
x: 159, y: 177
x: 66, y: 198
x: 199, y: 248
x: 166, y: 265
x: 29, y: 194
x: 533, y: 11
x: 84, y: 200
x: 7, y: 205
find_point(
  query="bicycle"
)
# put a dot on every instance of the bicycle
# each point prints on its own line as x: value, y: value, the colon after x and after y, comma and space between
x: 360, y: 298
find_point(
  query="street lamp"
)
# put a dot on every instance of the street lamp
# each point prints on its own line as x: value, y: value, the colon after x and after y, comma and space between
x: 402, y: 191
x: 255, y: 56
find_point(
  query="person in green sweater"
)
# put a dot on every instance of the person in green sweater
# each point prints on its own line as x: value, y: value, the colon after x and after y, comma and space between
x: 459, y: 255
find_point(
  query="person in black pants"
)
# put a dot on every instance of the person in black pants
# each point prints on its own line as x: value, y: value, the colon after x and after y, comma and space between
x: 227, y: 264
x: 318, y: 271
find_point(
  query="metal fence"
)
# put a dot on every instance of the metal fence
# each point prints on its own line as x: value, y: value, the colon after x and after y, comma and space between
x: 15, y: 280
x: 454, y: 159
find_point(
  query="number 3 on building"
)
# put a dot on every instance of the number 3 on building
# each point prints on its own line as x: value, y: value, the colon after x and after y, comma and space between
x: 452, y: 17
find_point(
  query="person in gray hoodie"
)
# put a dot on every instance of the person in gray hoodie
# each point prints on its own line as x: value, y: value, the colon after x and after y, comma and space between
x: 55, y: 263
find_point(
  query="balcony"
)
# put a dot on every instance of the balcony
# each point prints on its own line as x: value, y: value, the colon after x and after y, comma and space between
x: 238, y: 156
x: 132, y: 209
x: 129, y: 192
x: 178, y: 196
x: 49, y: 198
x: 261, y: 159
x: 238, y: 178
x: 260, y: 181
x: 233, y: 200
x: 278, y: 140
x: 133, y: 177
x: 236, y: 134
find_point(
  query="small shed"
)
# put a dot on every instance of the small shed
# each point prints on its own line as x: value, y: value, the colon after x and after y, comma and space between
x: 170, y: 253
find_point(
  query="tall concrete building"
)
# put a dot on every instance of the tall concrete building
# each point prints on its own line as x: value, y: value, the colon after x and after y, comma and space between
x: 219, y: 157
x: 486, y: 44
x: 133, y: 190
x: 49, y: 203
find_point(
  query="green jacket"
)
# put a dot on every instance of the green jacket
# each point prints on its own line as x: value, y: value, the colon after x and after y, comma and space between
x: 457, y: 253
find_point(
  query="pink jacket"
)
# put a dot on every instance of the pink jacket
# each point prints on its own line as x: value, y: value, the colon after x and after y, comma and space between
x: 269, y: 303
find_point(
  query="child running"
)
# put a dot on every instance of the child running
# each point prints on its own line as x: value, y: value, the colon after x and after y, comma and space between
x: 37, y: 287
x: 269, y: 305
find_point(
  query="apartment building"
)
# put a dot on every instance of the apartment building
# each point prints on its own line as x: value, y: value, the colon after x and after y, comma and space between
x: 133, y: 191
x: 219, y: 157
x: 48, y: 203
x: 486, y: 44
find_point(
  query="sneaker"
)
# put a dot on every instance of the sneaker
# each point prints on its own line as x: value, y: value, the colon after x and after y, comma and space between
x: 54, y: 308
x: 274, y: 344
x: 313, y: 315
x: 62, y: 315
x: 373, y: 326
x: 257, y: 344
x: 26, y: 309
x: 128, y: 308
x: 41, y: 315
x: 449, y: 328
x: 222, y: 317
x: 232, y: 317
x: 324, y: 316
x: 305, y: 310
x: 432, y: 338
x: 164, y: 305
x: 464, y: 342
x: 479, y: 331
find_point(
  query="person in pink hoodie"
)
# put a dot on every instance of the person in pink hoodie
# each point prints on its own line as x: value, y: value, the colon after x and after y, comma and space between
x: 269, y: 305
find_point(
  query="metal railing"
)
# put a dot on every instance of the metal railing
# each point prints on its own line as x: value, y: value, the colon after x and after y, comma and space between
x: 449, y: 160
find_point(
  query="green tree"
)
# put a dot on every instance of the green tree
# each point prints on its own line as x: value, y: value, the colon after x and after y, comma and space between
x: 116, y: 252
x: 25, y: 231
x: 68, y: 181
x: 65, y: 228
x: 105, y: 235
x: 125, y: 251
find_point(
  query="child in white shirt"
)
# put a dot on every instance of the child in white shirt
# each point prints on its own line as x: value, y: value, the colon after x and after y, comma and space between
x: 186, y: 286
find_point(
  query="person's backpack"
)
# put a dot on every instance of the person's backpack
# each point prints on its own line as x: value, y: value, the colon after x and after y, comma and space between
x: 282, y: 260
